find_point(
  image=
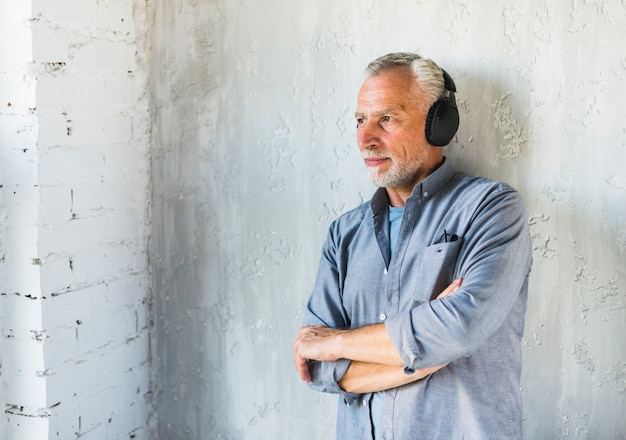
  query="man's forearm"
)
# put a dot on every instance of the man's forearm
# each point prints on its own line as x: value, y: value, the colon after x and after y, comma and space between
x: 369, y: 344
x: 366, y: 344
x: 372, y: 343
x: 365, y: 377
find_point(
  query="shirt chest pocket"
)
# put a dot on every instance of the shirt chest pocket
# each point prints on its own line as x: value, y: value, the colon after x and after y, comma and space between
x: 434, y: 270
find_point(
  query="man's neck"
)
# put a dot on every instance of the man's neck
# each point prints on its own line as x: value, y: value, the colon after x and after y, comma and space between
x: 397, y: 197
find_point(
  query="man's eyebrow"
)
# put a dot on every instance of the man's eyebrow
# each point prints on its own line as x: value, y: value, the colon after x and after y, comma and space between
x: 386, y: 111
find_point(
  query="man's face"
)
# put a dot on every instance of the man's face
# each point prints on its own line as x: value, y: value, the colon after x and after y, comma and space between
x: 390, y: 119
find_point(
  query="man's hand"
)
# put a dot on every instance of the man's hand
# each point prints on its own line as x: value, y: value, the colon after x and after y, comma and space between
x: 454, y: 285
x: 315, y: 342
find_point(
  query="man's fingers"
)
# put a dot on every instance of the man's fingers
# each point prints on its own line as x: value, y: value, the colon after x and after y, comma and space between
x: 451, y: 288
x: 303, y: 370
x: 302, y: 367
x: 315, y: 343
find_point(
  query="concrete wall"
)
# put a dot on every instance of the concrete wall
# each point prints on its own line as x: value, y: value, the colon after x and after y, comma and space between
x: 75, y: 284
x: 254, y: 154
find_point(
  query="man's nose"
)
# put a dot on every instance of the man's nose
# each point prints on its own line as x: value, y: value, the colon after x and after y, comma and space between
x: 368, y: 135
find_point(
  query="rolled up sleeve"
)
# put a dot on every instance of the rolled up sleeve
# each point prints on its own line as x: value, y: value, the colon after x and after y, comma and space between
x: 326, y: 375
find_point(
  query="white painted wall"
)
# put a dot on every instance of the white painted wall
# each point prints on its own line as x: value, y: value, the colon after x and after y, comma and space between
x: 254, y: 154
x: 22, y: 387
x: 75, y: 297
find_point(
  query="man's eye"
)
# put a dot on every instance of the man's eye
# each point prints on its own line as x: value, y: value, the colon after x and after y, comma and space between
x: 385, y: 119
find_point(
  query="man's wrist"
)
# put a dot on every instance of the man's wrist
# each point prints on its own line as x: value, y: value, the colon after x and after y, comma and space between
x: 339, y: 344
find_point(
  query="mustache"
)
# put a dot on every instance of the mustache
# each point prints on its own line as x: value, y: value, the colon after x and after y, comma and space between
x: 374, y: 154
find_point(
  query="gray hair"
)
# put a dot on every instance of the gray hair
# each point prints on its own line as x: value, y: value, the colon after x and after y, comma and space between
x: 428, y: 75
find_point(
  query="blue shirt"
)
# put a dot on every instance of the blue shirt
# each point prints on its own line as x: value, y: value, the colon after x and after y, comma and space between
x: 454, y: 225
x: 376, y: 402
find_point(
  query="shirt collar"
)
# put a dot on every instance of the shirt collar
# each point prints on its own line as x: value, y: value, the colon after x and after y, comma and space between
x: 423, y: 190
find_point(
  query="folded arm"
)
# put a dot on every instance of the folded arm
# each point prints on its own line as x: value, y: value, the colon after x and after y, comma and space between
x: 376, y: 364
x: 365, y: 377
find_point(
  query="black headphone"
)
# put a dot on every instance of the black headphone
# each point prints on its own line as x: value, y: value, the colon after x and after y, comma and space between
x: 442, y: 120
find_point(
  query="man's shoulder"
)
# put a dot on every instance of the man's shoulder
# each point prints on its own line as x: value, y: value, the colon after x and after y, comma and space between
x: 478, y: 196
x: 354, y: 216
x: 349, y: 223
x: 474, y: 184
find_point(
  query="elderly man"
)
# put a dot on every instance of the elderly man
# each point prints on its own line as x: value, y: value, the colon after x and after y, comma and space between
x: 417, y: 312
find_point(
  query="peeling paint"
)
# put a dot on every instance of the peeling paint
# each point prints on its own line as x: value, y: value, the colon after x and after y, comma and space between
x: 581, y: 354
x: 616, y: 377
x: 511, y: 129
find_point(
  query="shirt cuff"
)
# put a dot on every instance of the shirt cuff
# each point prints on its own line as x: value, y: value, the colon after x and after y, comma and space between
x: 326, y: 376
x: 400, y: 331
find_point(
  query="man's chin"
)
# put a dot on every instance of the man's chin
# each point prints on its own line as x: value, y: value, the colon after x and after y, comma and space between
x: 378, y: 179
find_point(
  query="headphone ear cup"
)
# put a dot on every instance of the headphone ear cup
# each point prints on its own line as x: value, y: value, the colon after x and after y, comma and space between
x: 442, y: 122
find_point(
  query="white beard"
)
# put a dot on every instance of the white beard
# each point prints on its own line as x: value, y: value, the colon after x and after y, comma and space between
x: 401, y: 172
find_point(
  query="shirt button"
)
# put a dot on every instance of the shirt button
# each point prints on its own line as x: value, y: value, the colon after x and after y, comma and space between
x: 385, y: 271
x: 425, y: 193
x: 382, y: 316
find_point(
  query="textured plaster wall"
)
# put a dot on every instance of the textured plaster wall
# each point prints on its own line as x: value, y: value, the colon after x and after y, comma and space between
x: 75, y: 298
x: 254, y: 154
